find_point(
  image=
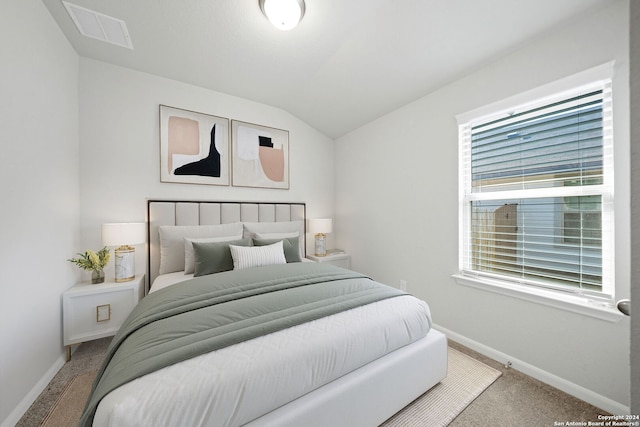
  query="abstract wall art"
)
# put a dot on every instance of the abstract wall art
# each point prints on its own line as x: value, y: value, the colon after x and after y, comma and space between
x: 260, y: 156
x: 194, y: 147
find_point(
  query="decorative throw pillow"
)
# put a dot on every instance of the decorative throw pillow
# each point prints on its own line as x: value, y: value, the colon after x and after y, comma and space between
x: 290, y: 246
x: 214, y: 257
x: 189, y: 255
x: 257, y: 256
x: 172, y: 241
x: 275, y: 230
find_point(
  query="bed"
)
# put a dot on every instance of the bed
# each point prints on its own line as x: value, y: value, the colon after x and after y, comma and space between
x: 348, y: 351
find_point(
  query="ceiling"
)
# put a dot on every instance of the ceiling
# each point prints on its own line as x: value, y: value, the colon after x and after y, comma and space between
x: 348, y: 62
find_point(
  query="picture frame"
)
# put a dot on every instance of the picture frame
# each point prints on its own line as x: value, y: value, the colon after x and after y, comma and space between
x: 260, y: 156
x: 194, y: 147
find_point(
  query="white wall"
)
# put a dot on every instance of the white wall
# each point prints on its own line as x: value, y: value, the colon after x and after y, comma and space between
x: 39, y: 193
x: 80, y: 142
x: 397, y: 201
x: 120, y: 149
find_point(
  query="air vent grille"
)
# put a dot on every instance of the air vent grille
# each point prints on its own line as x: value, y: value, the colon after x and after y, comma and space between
x: 99, y: 26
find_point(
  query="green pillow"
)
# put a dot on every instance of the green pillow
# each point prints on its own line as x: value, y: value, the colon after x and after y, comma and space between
x: 290, y: 244
x: 214, y: 257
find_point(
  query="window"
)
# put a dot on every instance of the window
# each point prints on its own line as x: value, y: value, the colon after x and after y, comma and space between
x: 536, y: 202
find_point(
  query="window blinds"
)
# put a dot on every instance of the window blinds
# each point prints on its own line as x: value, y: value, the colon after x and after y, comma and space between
x: 537, y: 202
x: 543, y: 147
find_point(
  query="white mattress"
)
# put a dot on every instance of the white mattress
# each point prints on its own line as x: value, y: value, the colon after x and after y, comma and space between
x: 234, y: 385
x: 164, y: 280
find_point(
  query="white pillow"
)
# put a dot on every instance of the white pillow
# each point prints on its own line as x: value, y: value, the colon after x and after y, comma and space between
x: 272, y: 227
x: 257, y: 256
x: 264, y: 236
x: 189, y: 254
x: 172, y: 241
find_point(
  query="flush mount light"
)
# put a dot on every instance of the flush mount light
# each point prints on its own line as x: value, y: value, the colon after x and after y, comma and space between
x: 283, y: 14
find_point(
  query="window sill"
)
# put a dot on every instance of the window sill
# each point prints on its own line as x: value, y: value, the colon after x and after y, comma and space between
x: 576, y: 304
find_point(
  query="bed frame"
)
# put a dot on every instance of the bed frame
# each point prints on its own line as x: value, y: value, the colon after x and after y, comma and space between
x: 368, y: 396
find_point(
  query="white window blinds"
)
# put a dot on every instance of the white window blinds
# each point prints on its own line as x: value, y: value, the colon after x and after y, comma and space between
x: 536, y: 202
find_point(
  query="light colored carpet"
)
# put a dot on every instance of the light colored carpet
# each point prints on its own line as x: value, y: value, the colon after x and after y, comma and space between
x: 66, y: 411
x: 467, y: 378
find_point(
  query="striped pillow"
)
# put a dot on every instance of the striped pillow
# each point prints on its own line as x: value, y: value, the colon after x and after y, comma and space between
x: 256, y: 256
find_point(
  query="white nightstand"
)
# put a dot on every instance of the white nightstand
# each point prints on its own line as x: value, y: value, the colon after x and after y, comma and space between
x: 91, y: 311
x: 339, y: 260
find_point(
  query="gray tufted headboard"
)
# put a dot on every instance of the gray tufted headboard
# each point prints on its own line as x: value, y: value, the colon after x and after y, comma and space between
x: 181, y: 212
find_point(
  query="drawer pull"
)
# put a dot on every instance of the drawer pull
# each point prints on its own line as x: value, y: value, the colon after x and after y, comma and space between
x: 103, y: 313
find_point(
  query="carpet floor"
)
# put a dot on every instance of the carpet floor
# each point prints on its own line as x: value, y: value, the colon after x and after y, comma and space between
x: 66, y: 411
x: 86, y: 359
x: 516, y: 399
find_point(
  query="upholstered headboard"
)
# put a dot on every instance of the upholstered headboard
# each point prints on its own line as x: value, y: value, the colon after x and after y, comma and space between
x: 180, y: 212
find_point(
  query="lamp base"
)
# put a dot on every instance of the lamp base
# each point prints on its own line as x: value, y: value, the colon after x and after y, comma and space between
x: 125, y: 260
x: 320, y: 248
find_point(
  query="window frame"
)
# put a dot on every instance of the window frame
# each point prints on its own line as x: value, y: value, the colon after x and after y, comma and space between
x: 598, y: 304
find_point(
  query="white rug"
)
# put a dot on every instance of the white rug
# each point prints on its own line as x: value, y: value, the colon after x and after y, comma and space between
x: 466, y: 379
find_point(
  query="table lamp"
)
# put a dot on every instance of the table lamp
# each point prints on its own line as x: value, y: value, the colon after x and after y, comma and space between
x: 320, y: 227
x: 123, y: 235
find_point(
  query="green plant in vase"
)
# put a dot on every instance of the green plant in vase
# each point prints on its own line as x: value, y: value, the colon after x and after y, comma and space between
x: 94, y: 261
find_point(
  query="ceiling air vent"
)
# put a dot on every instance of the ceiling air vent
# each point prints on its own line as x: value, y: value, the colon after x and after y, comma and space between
x: 98, y: 26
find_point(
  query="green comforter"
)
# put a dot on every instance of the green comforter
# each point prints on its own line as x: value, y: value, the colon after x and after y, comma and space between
x: 211, y: 312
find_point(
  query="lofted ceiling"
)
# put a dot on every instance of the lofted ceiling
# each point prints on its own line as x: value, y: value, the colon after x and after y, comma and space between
x: 348, y: 62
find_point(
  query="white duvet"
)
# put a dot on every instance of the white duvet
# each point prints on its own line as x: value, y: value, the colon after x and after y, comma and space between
x: 234, y: 385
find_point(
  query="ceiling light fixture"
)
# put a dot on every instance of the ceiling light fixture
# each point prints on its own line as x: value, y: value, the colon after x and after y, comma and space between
x: 283, y: 14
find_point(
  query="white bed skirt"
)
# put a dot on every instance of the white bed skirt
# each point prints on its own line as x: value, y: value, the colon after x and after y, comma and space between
x: 370, y: 395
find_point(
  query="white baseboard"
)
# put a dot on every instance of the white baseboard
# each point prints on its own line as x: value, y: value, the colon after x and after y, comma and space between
x: 568, y: 387
x: 31, y: 397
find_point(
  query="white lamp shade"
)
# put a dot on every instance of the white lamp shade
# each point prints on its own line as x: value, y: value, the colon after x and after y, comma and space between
x: 321, y: 225
x: 123, y: 233
x: 283, y: 14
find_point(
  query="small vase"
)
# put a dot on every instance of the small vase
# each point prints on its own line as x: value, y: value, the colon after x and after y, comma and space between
x: 97, y: 276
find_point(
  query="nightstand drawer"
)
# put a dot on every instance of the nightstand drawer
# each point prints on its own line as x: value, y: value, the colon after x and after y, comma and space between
x: 97, y: 311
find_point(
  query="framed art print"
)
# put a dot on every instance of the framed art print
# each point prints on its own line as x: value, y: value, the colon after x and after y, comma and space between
x: 194, y: 147
x: 260, y: 156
